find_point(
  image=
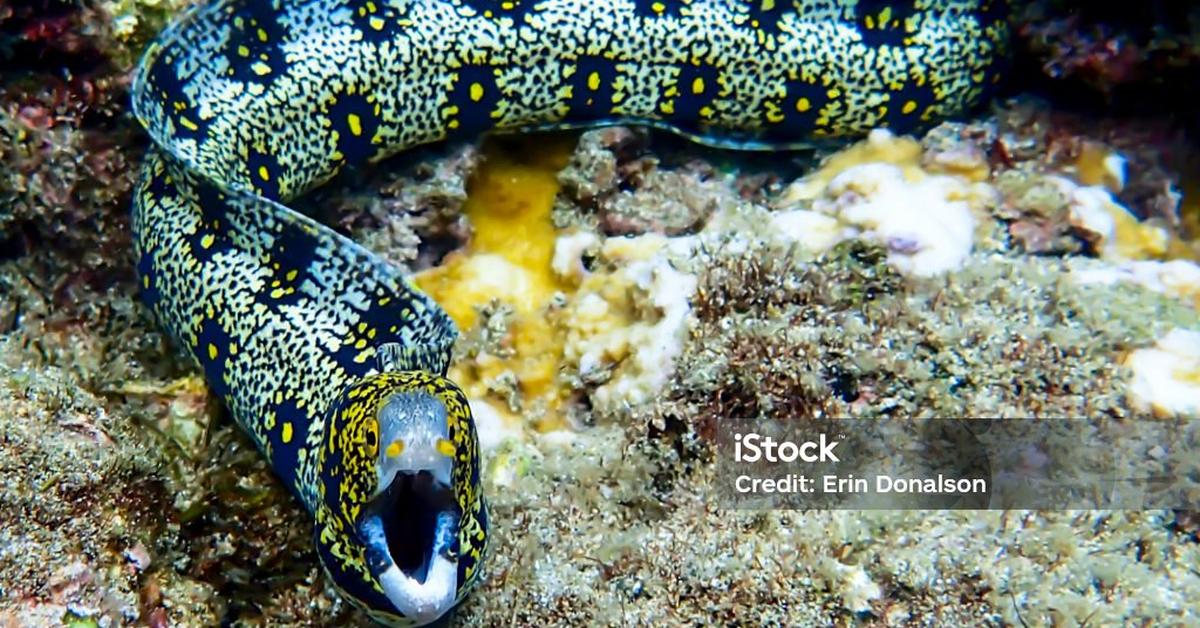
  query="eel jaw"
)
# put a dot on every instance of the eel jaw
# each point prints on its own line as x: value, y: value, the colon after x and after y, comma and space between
x: 409, y: 531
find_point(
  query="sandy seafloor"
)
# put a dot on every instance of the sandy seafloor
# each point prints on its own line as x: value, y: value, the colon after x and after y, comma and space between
x: 619, y: 292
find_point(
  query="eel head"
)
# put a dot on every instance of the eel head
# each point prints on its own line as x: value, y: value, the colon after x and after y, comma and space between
x: 401, y: 527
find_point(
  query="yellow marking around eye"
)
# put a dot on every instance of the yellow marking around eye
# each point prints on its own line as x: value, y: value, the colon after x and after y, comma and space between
x: 698, y: 86
x: 207, y: 240
x: 476, y: 92
x: 445, y: 447
x: 395, y: 448
x: 212, y: 351
x: 287, y: 432
x: 594, y: 81
x: 263, y: 173
x: 909, y: 107
x: 355, y: 124
x: 188, y: 124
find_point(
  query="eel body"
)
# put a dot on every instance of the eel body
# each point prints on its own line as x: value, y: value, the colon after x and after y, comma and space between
x: 325, y: 355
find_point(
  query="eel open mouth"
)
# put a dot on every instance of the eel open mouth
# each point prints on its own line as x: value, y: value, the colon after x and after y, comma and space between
x: 409, y: 530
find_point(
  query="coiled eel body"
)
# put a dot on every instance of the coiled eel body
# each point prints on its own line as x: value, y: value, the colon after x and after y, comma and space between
x: 326, y: 356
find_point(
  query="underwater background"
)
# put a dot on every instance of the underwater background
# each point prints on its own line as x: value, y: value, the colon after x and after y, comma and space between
x: 619, y: 292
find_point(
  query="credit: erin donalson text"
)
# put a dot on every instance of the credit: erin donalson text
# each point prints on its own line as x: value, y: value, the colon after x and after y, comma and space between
x: 838, y: 485
x: 756, y: 448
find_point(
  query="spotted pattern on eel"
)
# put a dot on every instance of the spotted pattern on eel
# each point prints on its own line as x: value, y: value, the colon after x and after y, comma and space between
x: 310, y: 340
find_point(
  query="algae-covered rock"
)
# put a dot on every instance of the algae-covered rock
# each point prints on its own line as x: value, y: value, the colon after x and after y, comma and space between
x: 86, y: 524
x: 618, y: 296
